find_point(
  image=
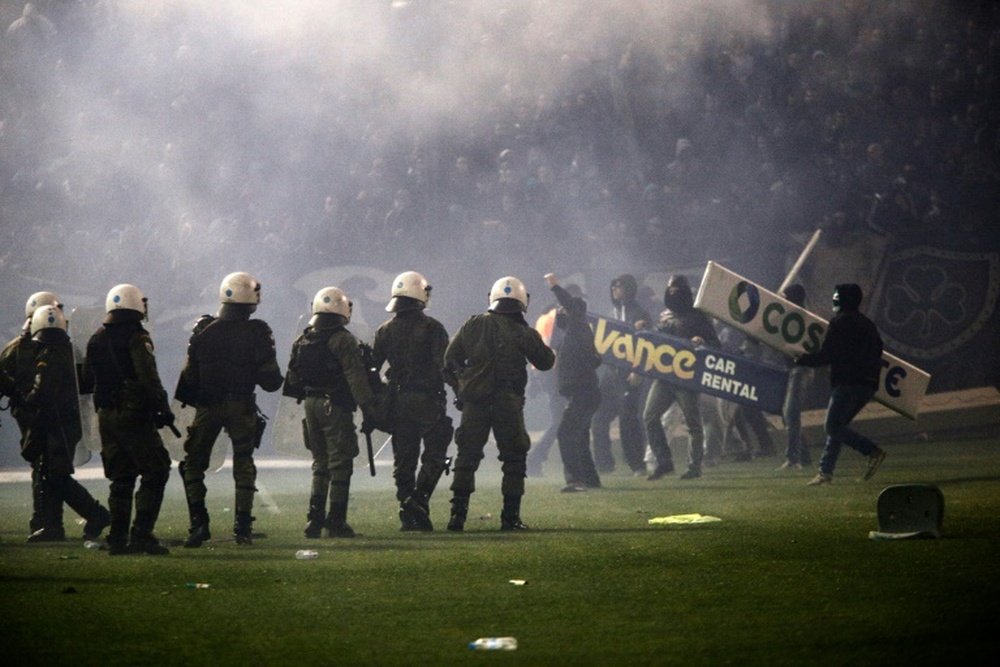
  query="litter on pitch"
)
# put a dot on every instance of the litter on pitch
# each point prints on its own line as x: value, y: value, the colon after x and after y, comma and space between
x: 519, y: 582
x: 682, y: 519
x: 909, y: 511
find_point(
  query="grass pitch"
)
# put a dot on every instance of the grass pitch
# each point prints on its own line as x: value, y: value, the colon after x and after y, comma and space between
x: 788, y: 577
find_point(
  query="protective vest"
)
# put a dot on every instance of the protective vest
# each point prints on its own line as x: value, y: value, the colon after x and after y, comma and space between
x: 111, y: 362
x: 409, y: 351
x: 318, y: 369
x: 228, y: 353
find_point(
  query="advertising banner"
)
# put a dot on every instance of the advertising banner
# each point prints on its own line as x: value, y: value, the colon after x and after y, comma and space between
x: 792, y: 330
x: 677, y: 362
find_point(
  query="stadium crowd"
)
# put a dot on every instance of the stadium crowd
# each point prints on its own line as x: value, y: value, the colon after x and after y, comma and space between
x: 845, y: 115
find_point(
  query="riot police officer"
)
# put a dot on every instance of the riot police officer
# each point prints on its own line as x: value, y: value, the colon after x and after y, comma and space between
x: 327, y: 372
x: 488, y: 359
x: 51, y: 414
x: 413, y: 344
x: 131, y: 404
x: 227, y: 357
x: 17, y: 375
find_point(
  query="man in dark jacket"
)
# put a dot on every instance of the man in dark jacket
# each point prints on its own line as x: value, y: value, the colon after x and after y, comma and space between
x: 622, y: 390
x: 852, y: 348
x: 228, y: 357
x: 131, y: 404
x: 681, y: 320
x: 488, y: 360
x: 577, y: 376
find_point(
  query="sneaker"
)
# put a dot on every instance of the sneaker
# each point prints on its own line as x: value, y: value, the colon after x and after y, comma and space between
x: 874, y: 461
x: 820, y: 479
x: 692, y: 473
x: 573, y: 488
x: 788, y: 465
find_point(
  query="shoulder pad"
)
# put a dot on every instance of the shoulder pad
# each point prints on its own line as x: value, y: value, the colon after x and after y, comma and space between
x: 202, y: 322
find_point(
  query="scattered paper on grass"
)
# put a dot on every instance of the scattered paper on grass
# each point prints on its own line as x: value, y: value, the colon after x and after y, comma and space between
x: 915, y: 535
x: 683, y: 519
x: 519, y: 582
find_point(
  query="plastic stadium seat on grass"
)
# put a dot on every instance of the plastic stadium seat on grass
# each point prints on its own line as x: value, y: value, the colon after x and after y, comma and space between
x: 909, y: 510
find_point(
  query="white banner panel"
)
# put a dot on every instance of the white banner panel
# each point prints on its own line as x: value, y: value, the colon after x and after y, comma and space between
x: 791, y: 330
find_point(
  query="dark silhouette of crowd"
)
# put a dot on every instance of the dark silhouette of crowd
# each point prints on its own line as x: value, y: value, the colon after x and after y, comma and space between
x: 851, y: 116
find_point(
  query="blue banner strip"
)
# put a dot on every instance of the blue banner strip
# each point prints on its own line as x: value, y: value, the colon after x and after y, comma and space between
x: 677, y: 362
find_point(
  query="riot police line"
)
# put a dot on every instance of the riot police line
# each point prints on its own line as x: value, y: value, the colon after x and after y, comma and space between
x: 331, y: 376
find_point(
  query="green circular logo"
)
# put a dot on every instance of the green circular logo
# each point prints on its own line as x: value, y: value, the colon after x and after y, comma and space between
x: 744, y: 301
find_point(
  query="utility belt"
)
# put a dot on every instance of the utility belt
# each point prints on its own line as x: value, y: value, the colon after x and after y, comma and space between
x: 421, y: 387
x: 214, y: 398
x: 117, y: 398
x: 332, y: 395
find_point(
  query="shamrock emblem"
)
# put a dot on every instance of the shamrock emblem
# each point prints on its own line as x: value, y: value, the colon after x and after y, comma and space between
x: 924, y: 299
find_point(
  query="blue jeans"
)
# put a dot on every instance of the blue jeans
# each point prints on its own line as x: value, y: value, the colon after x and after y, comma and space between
x: 791, y: 411
x: 845, y: 403
x: 661, y: 396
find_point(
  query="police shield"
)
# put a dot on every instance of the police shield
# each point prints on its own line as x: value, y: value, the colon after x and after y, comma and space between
x: 82, y: 323
x: 183, y: 416
x: 288, y: 425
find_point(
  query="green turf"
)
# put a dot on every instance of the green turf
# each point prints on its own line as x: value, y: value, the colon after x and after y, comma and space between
x: 788, y: 577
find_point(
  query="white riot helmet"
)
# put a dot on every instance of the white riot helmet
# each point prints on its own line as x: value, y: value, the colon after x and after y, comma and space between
x: 125, y: 297
x: 39, y: 299
x: 47, y: 317
x: 239, y: 287
x: 508, y: 295
x: 410, y: 285
x: 332, y: 300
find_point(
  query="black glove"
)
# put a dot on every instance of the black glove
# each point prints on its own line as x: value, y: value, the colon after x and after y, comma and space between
x: 458, y: 403
x: 163, y: 418
x: 367, y: 422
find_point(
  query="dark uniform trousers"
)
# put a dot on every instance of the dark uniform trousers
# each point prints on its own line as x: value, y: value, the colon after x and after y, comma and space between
x: 419, y: 416
x: 504, y: 415
x: 131, y: 448
x: 239, y: 418
x: 333, y: 442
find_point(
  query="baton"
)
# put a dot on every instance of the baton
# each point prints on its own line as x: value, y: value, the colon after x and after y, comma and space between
x: 371, y: 454
x: 173, y: 429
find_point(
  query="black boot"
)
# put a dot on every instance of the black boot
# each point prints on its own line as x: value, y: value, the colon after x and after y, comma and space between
x: 336, y: 521
x: 510, y: 517
x: 37, y: 521
x: 315, y: 518
x: 413, y: 516
x: 198, y: 532
x: 52, y: 509
x: 96, y: 523
x: 142, y: 540
x: 120, y: 511
x: 243, y: 528
x: 459, y: 511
